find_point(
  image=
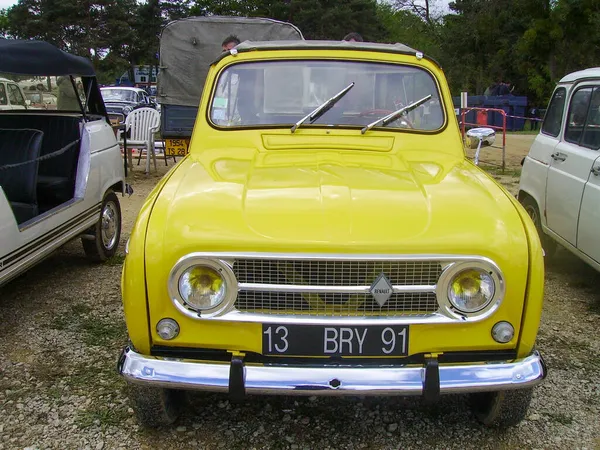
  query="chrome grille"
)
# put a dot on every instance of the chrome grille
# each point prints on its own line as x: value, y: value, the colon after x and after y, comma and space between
x: 335, y: 304
x: 275, y: 286
x: 336, y: 273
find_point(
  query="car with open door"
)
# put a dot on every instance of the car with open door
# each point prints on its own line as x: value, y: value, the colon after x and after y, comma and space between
x: 60, y: 170
x: 327, y: 235
x: 560, y: 180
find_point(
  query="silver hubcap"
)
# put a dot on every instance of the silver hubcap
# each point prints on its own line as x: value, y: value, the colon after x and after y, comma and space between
x: 532, y: 213
x: 109, y: 225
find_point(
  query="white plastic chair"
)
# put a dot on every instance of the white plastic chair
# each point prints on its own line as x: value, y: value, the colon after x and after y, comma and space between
x: 142, y: 123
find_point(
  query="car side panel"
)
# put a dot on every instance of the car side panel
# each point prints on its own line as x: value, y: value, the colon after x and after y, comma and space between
x: 20, y: 248
x: 535, y: 171
x: 564, y: 188
x: 588, y: 235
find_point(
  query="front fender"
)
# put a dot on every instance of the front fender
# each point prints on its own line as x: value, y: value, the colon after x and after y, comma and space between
x: 133, y: 276
x: 534, y: 294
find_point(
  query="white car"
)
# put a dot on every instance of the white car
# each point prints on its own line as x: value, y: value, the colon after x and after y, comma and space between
x: 560, y: 181
x: 60, y: 170
x: 11, y: 95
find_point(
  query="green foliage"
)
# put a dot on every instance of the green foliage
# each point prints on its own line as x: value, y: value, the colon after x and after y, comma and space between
x: 527, y: 43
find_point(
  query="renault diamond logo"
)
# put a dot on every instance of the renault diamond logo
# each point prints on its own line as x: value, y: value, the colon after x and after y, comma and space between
x: 381, y: 289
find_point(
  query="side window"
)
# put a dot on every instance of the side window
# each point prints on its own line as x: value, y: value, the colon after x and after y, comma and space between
x: 554, y: 115
x: 3, y: 99
x: 591, y: 133
x: 15, y: 96
x: 578, y: 111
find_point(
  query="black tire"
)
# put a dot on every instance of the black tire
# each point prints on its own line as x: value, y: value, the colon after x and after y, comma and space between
x: 533, y: 211
x: 501, y: 409
x: 156, y: 407
x: 103, y: 239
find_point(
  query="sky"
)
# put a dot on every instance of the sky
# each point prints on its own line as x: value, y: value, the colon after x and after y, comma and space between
x: 7, y: 3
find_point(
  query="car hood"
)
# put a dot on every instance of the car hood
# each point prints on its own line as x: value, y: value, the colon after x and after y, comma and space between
x: 332, y: 202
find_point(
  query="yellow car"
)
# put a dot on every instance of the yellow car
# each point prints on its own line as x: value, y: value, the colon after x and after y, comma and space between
x: 326, y: 235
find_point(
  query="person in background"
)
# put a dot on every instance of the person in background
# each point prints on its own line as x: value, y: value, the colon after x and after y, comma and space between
x: 534, y: 114
x: 67, y: 97
x: 230, y: 42
x: 353, y: 37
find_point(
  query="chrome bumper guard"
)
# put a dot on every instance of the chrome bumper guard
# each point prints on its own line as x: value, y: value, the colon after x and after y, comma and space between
x: 235, y: 377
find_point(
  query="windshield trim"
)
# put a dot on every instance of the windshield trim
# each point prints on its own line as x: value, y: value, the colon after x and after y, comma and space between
x: 213, y: 90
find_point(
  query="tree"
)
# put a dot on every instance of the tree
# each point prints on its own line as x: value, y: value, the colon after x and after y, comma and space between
x: 317, y: 19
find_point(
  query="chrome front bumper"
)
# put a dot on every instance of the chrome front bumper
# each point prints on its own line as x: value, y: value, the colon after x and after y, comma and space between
x: 330, y: 380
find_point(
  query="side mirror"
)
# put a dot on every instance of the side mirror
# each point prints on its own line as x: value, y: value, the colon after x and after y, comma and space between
x: 480, y: 137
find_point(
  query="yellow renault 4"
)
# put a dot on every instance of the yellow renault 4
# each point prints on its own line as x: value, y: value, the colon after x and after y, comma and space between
x: 326, y: 235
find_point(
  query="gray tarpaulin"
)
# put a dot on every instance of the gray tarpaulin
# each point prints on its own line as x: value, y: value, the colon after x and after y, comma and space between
x: 189, y: 46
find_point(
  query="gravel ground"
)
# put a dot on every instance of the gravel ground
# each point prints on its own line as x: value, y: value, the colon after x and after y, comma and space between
x: 62, y: 329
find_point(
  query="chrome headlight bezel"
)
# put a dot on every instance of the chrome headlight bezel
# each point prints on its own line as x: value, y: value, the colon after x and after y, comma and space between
x: 222, y: 267
x: 127, y: 109
x: 449, y: 274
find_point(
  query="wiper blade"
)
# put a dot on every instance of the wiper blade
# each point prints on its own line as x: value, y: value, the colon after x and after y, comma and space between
x: 320, y: 110
x: 395, y: 115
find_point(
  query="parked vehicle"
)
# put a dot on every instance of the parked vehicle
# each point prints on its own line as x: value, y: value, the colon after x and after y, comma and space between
x: 60, y: 171
x: 326, y: 235
x: 187, y: 48
x: 11, y: 95
x: 560, y: 181
x: 42, y: 100
x: 122, y: 100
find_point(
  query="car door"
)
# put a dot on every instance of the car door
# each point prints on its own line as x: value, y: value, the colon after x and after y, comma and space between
x: 570, y: 165
x: 588, y: 232
x: 3, y: 97
x: 15, y: 97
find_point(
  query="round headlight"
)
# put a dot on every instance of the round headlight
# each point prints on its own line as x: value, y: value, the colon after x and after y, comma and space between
x: 127, y: 110
x: 471, y: 290
x: 202, y: 287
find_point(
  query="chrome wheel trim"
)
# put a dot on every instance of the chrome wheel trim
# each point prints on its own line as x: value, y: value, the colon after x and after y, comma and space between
x: 532, y: 213
x: 109, y: 225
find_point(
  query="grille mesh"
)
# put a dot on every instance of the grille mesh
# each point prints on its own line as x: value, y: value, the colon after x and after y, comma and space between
x: 335, y: 304
x: 336, y: 274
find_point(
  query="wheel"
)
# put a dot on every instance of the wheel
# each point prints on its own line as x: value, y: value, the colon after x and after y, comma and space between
x: 155, y: 407
x: 501, y: 409
x: 102, y: 241
x: 548, y: 244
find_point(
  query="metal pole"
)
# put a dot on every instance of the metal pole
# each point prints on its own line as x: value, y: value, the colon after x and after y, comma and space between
x: 503, y: 141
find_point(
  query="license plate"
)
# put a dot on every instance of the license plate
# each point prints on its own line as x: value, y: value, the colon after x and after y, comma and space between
x: 317, y: 340
x: 176, y: 147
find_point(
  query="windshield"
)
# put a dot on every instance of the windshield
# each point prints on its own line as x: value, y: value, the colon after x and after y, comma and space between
x: 284, y: 92
x: 118, y: 95
x: 63, y: 93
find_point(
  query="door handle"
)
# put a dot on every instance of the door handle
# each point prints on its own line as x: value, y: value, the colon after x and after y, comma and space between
x: 558, y: 156
x: 596, y: 170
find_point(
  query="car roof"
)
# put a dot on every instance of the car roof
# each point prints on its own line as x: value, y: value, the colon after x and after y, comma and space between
x: 398, y: 48
x: 592, y: 72
x: 126, y: 88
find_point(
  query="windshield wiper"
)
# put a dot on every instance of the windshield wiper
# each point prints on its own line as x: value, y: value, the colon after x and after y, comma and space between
x: 320, y: 110
x: 395, y: 115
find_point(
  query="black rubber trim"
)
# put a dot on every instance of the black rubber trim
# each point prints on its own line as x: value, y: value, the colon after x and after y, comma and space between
x: 251, y: 357
x: 237, y: 384
x: 431, y: 382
